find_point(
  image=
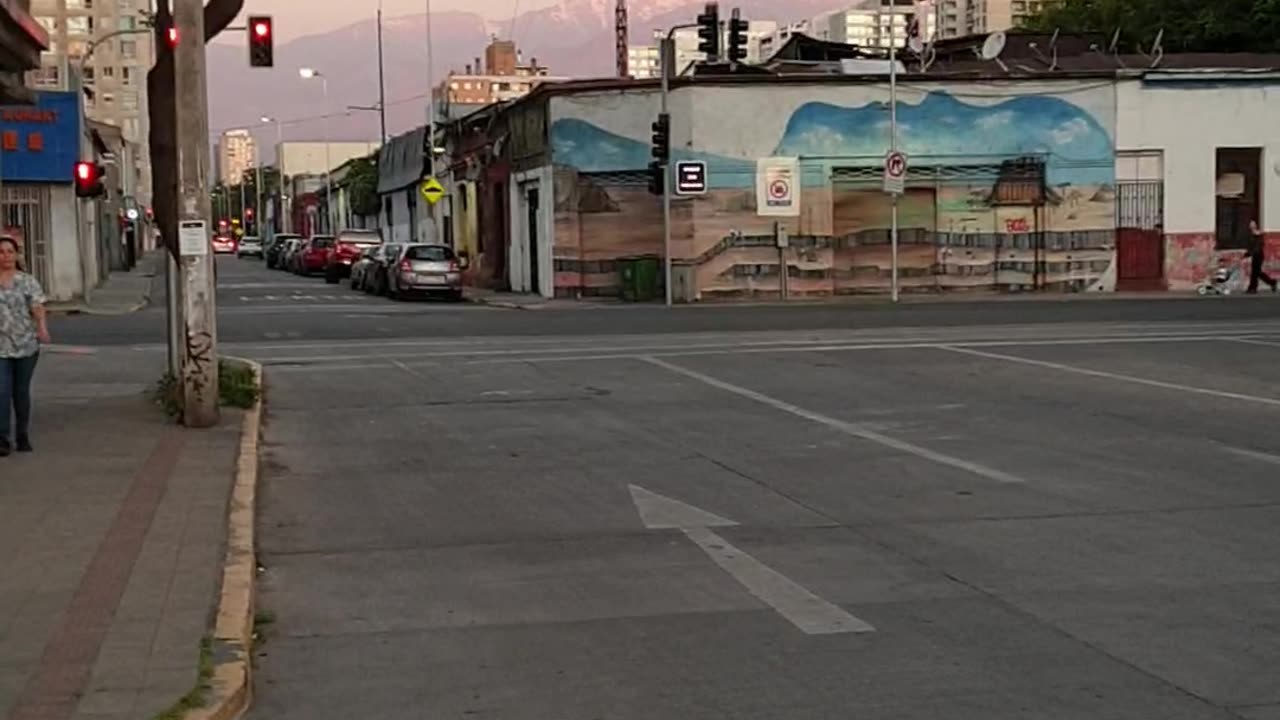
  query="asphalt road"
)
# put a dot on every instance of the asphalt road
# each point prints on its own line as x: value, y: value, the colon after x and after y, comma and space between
x: 1009, y: 510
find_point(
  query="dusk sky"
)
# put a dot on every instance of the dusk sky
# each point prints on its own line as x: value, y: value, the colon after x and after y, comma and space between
x: 304, y: 17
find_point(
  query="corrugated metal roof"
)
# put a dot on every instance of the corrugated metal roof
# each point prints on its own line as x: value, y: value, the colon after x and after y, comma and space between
x: 400, y: 162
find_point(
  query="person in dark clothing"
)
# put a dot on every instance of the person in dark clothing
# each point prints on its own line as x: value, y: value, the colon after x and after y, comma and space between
x: 1257, y: 254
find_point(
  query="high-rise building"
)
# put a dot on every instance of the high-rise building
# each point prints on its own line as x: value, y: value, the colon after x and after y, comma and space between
x: 237, y: 154
x: 643, y: 61
x: 110, y: 41
x: 986, y: 16
x: 877, y: 23
x: 503, y: 76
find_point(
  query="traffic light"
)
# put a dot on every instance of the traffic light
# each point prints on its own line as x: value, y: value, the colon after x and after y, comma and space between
x: 262, y: 49
x: 709, y: 32
x: 89, y: 180
x: 171, y: 36
x: 661, y: 152
x: 737, y: 50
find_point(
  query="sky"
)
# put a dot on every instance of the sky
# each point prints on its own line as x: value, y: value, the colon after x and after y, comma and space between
x: 305, y: 17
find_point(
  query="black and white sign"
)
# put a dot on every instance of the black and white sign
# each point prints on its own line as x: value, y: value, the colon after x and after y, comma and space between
x: 895, y: 173
x: 691, y: 177
x: 777, y: 193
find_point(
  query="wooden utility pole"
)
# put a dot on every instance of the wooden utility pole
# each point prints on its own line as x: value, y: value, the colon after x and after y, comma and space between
x: 199, y: 314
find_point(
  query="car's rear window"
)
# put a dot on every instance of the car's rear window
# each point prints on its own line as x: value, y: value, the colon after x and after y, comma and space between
x: 371, y: 238
x: 322, y: 242
x: 429, y: 252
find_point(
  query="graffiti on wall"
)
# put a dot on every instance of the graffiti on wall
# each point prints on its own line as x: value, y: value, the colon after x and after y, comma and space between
x: 1005, y: 193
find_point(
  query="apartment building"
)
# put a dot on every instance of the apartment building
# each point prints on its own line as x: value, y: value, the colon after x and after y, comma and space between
x: 503, y: 76
x: 104, y: 47
x: 878, y: 23
x: 985, y: 16
x: 237, y: 153
x: 644, y: 61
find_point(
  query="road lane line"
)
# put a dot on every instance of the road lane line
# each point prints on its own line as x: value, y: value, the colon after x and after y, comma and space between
x: 1112, y: 376
x: 1253, y: 455
x: 1256, y: 341
x: 847, y: 428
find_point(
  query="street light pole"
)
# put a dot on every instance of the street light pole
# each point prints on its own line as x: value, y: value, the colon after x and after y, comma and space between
x: 308, y: 73
x: 382, y: 80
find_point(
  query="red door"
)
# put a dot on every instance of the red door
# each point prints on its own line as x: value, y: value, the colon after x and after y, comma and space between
x: 1140, y: 259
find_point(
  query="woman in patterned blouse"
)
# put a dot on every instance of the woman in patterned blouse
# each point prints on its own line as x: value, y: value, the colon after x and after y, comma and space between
x: 22, y: 330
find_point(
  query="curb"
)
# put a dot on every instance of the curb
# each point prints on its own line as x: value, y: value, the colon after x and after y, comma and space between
x: 231, y: 684
x: 89, y: 309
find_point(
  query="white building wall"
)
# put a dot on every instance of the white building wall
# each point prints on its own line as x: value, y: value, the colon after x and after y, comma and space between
x: 518, y: 256
x: 66, y: 274
x: 1188, y: 124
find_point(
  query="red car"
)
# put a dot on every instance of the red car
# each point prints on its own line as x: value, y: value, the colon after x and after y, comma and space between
x: 349, y: 246
x: 313, y: 256
x: 223, y: 245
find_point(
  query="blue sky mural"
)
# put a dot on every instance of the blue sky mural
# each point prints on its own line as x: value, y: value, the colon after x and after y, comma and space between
x: 939, y: 129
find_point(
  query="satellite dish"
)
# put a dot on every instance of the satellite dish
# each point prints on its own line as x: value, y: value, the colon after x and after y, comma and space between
x: 994, y: 45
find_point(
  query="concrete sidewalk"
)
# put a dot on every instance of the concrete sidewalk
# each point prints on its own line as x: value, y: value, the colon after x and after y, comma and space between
x: 111, y: 545
x: 123, y: 292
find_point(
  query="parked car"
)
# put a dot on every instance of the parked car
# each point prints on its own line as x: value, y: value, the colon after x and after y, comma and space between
x: 421, y: 269
x: 377, y: 276
x: 312, y: 256
x: 361, y: 270
x: 224, y: 245
x: 348, y: 248
x: 250, y: 245
x: 275, y: 249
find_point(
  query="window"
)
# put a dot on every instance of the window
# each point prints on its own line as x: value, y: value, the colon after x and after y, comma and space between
x: 108, y: 98
x: 77, y: 48
x: 437, y: 253
x: 50, y: 24
x: 126, y: 75
x: 88, y: 75
x: 1238, y: 180
x: 80, y: 25
x: 109, y: 71
x: 128, y: 49
x: 125, y: 5
x: 129, y: 100
x: 128, y: 22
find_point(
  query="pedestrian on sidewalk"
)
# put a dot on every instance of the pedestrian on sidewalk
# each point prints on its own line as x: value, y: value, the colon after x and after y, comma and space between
x: 1257, y: 254
x: 23, y: 327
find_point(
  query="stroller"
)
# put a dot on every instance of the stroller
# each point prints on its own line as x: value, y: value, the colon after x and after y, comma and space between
x: 1227, y: 279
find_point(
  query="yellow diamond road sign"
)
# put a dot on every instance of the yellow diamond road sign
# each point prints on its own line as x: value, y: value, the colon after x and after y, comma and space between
x: 431, y: 190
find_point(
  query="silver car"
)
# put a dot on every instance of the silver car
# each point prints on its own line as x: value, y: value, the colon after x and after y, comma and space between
x: 421, y: 269
x: 250, y: 245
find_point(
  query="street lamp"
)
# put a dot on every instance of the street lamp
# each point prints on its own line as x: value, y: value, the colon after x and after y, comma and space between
x: 284, y: 216
x: 309, y: 74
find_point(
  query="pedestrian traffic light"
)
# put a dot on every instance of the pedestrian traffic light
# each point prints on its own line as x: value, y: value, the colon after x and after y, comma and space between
x: 737, y: 50
x: 171, y: 36
x: 709, y: 32
x: 657, y: 178
x: 261, y: 41
x: 88, y: 177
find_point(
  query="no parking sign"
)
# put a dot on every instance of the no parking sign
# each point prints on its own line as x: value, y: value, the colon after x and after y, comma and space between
x: 778, y: 187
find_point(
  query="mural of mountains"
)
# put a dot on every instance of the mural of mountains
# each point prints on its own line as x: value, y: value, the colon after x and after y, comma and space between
x: 573, y: 39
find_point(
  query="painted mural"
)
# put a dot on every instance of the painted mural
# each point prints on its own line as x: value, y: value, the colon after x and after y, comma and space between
x: 1008, y: 191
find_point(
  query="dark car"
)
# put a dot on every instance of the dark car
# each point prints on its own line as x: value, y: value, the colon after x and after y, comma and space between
x: 313, y: 256
x: 421, y: 269
x: 362, y: 269
x: 274, y: 250
x: 349, y: 246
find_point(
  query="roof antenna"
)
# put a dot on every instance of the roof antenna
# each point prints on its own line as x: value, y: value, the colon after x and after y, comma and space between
x: 1053, y: 48
x: 992, y: 48
x: 1157, y: 48
x: 1114, y: 49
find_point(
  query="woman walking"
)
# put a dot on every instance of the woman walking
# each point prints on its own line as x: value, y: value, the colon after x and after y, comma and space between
x: 22, y: 329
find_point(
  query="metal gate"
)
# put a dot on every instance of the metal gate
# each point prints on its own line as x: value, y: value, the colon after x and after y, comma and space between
x: 1140, y: 235
x: 25, y: 215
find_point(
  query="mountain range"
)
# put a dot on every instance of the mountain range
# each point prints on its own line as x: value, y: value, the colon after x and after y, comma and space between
x: 574, y: 39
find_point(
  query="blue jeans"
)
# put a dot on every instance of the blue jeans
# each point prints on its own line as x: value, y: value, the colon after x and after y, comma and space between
x: 15, y: 391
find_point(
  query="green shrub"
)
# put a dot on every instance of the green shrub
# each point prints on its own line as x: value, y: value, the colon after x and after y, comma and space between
x: 237, y: 387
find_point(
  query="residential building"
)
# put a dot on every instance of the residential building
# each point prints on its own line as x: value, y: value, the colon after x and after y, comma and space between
x: 112, y: 72
x: 503, y: 76
x: 644, y: 61
x: 952, y: 18
x: 771, y: 43
x: 22, y: 38
x: 877, y: 24
x: 237, y: 154
x: 985, y: 16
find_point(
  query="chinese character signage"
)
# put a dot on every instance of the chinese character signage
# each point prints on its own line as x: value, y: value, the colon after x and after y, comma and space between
x: 40, y: 143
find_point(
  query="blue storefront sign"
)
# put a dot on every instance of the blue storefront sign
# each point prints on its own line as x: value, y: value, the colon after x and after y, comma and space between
x: 41, y: 142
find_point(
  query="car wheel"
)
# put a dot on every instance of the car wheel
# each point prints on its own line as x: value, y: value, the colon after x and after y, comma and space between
x: 331, y: 277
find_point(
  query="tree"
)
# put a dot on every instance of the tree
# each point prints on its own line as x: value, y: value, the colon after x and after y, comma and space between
x: 362, y: 186
x: 163, y: 112
x: 1188, y: 25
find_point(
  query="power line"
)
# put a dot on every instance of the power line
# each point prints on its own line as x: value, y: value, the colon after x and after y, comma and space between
x: 312, y: 118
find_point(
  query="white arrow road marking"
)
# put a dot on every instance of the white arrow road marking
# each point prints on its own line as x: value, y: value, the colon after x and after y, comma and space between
x: 808, y: 612
x: 848, y: 428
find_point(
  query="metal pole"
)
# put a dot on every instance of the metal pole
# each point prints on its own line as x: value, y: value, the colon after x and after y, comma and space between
x: 257, y: 200
x: 431, y: 124
x: 243, y: 215
x: 666, y: 56
x: 199, y: 312
x: 328, y: 162
x: 893, y: 147
x: 284, y: 216
x: 382, y: 81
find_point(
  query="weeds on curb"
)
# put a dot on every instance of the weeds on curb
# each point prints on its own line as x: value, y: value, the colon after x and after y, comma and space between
x: 198, y: 695
x: 237, y: 387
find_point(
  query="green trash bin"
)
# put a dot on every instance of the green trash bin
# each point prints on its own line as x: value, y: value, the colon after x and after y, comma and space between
x: 640, y: 277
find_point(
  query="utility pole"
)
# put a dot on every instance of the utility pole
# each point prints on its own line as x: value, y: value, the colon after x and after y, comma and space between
x: 666, y: 57
x: 199, y: 340
x: 382, y: 80
x: 893, y: 147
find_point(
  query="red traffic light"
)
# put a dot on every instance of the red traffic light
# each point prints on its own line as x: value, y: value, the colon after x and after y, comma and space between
x: 84, y: 171
x: 248, y: 212
x: 261, y: 29
x: 261, y: 42
x: 172, y: 36
x: 88, y: 177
